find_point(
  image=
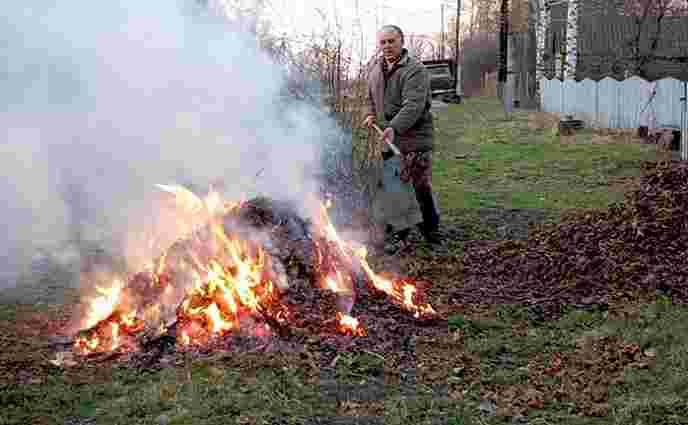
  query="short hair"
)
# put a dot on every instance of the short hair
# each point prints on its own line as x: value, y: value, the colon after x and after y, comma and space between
x: 393, y: 28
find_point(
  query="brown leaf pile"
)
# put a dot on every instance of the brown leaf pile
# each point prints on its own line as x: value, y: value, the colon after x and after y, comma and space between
x: 582, y: 377
x: 585, y: 375
x: 632, y: 248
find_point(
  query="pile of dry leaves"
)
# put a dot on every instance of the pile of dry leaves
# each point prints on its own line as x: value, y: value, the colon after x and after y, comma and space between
x: 635, y: 247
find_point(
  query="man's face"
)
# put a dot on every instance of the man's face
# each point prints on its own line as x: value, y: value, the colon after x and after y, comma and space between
x: 390, y: 43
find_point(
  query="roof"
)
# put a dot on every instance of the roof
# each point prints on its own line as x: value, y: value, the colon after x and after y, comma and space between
x: 607, y: 40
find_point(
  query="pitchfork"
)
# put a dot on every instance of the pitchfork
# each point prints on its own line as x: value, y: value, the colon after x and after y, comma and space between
x: 390, y: 144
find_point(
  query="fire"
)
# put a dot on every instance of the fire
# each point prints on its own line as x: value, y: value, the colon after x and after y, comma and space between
x: 349, y: 325
x: 338, y: 283
x: 221, y: 282
x: 103, y: 306
x: 401, y: 290
x: 216, y: 323
x: 185, y: 339
x: 327, y: 229
x: 106, y: 334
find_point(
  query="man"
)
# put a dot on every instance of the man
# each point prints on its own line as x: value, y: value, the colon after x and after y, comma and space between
x: 399, y: 98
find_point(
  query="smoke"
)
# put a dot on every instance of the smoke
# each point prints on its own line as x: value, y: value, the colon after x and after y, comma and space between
x: 102, y: 100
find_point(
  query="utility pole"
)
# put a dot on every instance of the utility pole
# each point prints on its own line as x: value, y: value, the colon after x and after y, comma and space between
x: 684, y: 123
x: 457, y: 72
x: 503, y: 53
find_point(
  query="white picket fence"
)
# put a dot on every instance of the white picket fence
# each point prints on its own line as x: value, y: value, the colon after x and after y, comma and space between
x: 616, y: 104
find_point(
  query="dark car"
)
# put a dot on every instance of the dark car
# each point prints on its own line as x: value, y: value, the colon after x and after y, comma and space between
x: 441, y: 76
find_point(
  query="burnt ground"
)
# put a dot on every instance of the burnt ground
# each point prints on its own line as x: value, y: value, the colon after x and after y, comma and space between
x: 512, y: 223
x: 481, y: 224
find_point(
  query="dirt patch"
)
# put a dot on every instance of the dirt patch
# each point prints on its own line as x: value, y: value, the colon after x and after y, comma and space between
x: 615, y: 136
x: 513, y: 224
x: 542, y: 120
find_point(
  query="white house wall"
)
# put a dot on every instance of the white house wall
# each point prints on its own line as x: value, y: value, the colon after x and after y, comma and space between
x: 613, y: 104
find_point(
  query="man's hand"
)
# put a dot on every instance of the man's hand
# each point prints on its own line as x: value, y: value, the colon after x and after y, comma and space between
x: 369, y: 121
x: 388, y: 135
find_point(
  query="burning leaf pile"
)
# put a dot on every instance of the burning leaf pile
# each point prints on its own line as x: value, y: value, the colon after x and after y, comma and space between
x: 251, y: 268
x: 633, y: 248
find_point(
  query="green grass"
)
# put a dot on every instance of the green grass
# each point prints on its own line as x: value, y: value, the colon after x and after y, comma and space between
x: 218, y: 392
x: 638, y: 395
x: 213, y: 394
x: 482, y: 161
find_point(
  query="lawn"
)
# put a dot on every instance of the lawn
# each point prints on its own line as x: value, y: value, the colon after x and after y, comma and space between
x: 495, y: 364
x: 485, y: 161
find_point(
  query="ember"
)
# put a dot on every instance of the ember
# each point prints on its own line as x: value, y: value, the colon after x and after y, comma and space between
x: 223, y: 278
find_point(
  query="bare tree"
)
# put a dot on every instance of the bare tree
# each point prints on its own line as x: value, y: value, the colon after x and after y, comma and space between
x: 473, y: 21
x: 478, y: 51
x: 635, y: 39
x: 421, y: 46
x: 542, y: 23
x: 650, y: 17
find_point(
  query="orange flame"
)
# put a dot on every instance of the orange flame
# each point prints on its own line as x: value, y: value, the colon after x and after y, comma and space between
x: 229, y: 280
x: 349, y: 325
x: 400, y: 290
x: 103, y: 306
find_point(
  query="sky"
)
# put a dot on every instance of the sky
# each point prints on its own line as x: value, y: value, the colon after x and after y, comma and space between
x: 413, y: 16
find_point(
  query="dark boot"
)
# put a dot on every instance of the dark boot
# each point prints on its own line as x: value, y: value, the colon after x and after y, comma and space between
x: 431, y: 219
x: 432, y: 237
x: 398, y: 242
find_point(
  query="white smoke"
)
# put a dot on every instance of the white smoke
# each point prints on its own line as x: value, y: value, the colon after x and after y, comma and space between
x: 102, y: 100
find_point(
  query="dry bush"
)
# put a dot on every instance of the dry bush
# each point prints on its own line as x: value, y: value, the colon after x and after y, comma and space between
x: 479, y: 57
x: 325, y: 73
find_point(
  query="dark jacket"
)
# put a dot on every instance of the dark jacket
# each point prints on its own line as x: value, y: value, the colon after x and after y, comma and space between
x: 402, y: 101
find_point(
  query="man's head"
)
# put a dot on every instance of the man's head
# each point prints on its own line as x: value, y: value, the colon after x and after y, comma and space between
x: 390, y: 39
